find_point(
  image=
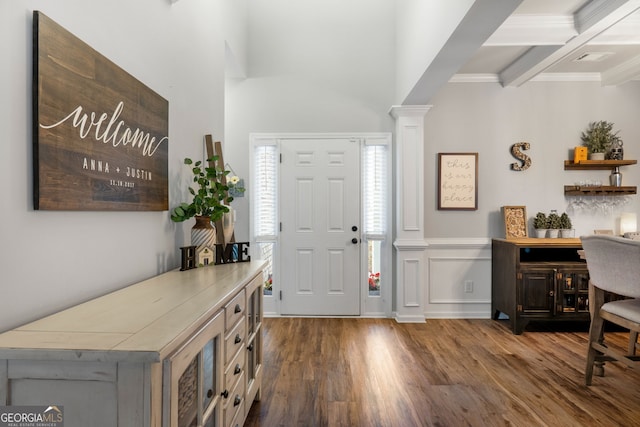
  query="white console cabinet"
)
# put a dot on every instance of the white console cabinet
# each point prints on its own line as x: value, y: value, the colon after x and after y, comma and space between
x: 180, y: 349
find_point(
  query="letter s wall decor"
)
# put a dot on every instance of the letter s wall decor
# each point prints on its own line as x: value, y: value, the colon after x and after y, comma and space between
x: 100, y: 137
x: 526, y: 160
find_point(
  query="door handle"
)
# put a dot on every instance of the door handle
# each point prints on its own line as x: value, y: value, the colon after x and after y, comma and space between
x: 354, y: 241
x: 354, y: 228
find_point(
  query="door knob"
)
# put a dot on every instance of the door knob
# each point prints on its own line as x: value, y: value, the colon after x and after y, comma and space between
x: 354, y: 228
x: 354, y: 240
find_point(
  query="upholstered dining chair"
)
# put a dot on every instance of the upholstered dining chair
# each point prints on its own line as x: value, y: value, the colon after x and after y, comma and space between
x: 614, y: 266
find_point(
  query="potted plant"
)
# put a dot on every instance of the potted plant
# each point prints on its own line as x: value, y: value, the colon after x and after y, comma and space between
x: 565, y: 225
x: 554, y: 224
x: 209, y: 203
x: 541, y: 224
x: 599, y: 137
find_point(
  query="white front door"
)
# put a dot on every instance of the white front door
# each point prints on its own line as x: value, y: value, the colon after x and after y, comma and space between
x: 320, y: 221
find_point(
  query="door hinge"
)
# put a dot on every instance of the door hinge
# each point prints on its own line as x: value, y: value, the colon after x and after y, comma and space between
x: 280, y: 226
x: 280, y: 157
x: 519, y: 276
x: 280, y: 293
x: 519, y: 307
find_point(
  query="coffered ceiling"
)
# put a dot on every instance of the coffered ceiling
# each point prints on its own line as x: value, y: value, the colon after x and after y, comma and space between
x: 561, y: 40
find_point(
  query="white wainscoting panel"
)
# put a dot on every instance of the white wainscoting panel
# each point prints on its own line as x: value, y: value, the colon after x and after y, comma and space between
x: 458, y: 280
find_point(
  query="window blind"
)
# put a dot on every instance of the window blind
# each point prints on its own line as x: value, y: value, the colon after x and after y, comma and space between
x: 265, y: 197
x: 375, y: 182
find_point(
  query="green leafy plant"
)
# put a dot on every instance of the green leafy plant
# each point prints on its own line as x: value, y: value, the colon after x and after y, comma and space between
x: 210, y: 196
x: 599, y: 136
x: 540, y: 222
x: 565, y: 221
x: 554, y: 221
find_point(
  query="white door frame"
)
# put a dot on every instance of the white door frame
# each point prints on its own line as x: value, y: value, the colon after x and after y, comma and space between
x: 370, y: 307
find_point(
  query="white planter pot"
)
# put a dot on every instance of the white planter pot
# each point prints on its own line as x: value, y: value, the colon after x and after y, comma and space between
x: 541, y: 233
x: 553, y: 233
x: 596, y: 156
x: 566, y: 233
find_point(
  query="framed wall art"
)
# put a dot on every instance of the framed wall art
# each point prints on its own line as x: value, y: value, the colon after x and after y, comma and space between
x: 457, y: 181
x: 100, y: 136
x: 515, y: 222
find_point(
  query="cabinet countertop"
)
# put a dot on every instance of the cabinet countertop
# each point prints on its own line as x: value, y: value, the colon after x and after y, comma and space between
x: 547, y: 242
x: 139, y: 323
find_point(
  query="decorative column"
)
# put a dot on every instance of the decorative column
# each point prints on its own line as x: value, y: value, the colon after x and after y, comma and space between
x: 410, y: 245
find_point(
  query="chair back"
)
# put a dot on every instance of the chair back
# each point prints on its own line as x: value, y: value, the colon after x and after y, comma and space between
x: 613, y: 263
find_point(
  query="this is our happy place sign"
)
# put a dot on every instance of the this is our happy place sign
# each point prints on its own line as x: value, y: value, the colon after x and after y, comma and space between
x: 100, y: 136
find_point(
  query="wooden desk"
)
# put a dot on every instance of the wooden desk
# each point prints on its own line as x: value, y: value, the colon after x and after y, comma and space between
x: 538, y: 279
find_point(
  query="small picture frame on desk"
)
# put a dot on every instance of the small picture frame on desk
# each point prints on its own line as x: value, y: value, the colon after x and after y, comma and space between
x: 515, y: 222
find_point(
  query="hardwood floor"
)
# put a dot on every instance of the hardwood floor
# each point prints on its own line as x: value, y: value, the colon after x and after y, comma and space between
x: 376, y: 372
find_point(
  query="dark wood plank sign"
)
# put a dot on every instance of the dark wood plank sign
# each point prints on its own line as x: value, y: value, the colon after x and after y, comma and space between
x: 100, y: 137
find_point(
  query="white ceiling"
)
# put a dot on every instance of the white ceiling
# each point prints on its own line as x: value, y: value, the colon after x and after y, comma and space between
x: 542, y: 39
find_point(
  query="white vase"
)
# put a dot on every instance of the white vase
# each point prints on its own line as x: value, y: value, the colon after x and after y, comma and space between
x: 228, y: 224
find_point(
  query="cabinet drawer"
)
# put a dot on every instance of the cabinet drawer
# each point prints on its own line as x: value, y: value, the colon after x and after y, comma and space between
x: 234, y: 407
x: 237, y: 421
x: 234, y: 371
x: 235, y: 310
x: 234, y: 341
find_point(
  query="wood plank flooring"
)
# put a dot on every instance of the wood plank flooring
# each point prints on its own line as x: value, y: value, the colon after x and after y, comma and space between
x: 376, y: 372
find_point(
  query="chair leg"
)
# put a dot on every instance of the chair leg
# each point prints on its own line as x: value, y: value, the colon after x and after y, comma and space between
x: 633, y: 339
x: 595, y: 334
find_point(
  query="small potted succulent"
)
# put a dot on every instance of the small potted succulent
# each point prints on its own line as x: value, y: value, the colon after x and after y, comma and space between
x: 554, y: 224
x: 541, y: 224
x: 565, y: 225
x: 599, y: 138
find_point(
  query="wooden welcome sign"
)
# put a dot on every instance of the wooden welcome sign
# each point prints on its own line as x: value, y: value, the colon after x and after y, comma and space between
x: 100, y: 137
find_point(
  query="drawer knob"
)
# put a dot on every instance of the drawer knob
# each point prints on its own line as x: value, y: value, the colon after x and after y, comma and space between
x: 237, y: 369
x: 237, y: 400
x: 250, y: 348
x: 237, y: 309
x: 237, y: 339
x: 225, y: 394
x: 209, y: 393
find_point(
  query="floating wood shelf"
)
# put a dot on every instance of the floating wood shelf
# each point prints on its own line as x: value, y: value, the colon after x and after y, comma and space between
x: 577, y: 190
x: 597, y: 164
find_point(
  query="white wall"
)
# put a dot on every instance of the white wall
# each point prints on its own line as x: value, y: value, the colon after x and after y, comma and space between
x: 314, y: 66
x: 489, y: 119
x: 423, y: 27
x: 234, y: 27
x: 50, y: 260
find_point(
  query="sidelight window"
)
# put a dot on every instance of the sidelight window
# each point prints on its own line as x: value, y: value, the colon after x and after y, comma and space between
x: 265, y: 202
x: 375, y: 184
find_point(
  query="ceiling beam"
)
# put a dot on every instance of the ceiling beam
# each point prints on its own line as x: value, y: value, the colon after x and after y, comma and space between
x: 621, y: 73
x: 482, y: 19
x: 526, y: 63
x: 591, y: 20
x: 533, y: 30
